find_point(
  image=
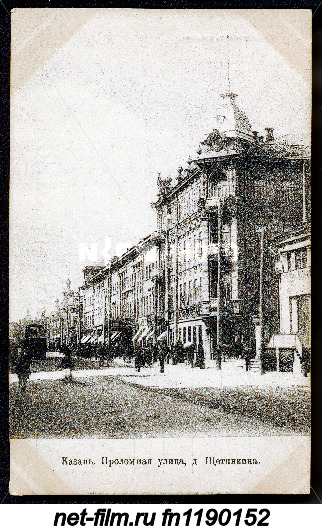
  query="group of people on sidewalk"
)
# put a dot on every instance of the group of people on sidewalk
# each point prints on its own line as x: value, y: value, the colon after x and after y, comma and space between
x: 144, y: 356
x: 147, y: 355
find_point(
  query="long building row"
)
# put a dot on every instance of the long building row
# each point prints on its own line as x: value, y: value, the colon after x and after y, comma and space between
x: 228, y: 267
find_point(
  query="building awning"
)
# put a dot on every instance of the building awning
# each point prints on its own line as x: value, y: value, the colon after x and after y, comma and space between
x: 150, y: 334
x: 85, y: 339
x: 93, y: 340
x: 162, y: 336
x: 285, y: 341
x: 145, y: 331
x: 138, y: 333
x: 115, y: 336
x: 100, y: 339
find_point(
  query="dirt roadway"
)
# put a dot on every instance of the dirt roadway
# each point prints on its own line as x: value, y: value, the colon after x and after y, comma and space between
x: 107, y: 407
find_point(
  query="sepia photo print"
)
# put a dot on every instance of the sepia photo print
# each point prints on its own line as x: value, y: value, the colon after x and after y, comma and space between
x: 160, y: 245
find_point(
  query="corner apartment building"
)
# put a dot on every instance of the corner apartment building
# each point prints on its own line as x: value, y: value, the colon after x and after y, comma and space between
x: 213, y: 224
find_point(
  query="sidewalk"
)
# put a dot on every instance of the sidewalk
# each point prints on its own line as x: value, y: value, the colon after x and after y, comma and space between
x: 182, y: 376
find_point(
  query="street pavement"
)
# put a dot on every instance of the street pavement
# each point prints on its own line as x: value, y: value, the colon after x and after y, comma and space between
x: 182, y: 376
x: 119, y: 402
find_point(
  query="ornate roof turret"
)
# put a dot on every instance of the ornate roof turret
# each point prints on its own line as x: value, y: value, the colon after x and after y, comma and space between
x: 232, y: 130
x: 231, y: 121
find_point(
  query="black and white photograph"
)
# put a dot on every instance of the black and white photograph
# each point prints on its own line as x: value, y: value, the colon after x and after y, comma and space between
x: 160, y: 251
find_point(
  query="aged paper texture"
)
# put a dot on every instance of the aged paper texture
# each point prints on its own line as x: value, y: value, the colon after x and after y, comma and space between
x: 160, y: 252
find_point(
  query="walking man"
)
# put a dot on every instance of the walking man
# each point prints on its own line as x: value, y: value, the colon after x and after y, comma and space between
x: 200, y: 362
x: 22, y: 368
x: 68, y: 363
x: 162, y: 356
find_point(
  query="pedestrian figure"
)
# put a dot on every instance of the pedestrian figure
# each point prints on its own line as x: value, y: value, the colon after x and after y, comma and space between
x: 162, y: 356
x: 138, y: 358
x: 191, y: 354
x: 167, y: 354
x: 305, y: 362
x: 238, y: 346
x: 67, y: 363
x: 174, y: 355
x: 247, y: 357
x: 179, y: 352
x: 22, y: 368
x: 107, y: 354
x: 144, y: 356
x: 101, y: 354
x: 200, y: 362
x: 149, y: 357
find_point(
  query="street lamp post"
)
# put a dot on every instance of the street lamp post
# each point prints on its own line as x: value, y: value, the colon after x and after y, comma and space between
x: 259, y: 329
x: 303, y: 195
x: 218, y: 343
x: 104, y: 314
x: 109, y: 283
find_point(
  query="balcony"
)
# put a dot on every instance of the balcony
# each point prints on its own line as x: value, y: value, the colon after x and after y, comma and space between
x: 213, y: 303
x: 212, y: 250
x: 211, y: 204
x: 226, y: 250
x: 209, y: 307
x: 127, y: 288
x: 221, y: 192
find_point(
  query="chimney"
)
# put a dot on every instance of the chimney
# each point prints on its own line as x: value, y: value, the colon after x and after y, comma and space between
x: 269, y: 134
x: 90, y: 271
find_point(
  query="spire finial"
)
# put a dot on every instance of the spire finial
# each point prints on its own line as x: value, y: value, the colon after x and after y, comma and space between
x: 228, y: 76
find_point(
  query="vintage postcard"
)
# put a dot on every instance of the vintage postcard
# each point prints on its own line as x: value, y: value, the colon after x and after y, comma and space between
x: 160, y: 252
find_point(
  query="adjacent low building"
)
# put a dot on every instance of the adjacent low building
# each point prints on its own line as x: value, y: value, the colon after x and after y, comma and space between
x: 289, y: 350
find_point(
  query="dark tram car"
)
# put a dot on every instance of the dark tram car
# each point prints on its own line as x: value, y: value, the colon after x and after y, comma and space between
x: 35, y: 340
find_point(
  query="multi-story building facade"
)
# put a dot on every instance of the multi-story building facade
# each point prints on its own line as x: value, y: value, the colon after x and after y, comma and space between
x: 90, y: 306
x: 118, y: 300
x: 212, y: 226
x: 205, y: 276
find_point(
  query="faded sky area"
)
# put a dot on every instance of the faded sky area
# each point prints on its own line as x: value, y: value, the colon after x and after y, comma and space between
x: 103, y: 100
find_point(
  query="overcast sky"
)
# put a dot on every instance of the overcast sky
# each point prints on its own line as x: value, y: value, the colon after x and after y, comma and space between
x: 103, y: 100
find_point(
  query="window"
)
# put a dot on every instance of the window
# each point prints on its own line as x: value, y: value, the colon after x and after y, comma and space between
x: 213, y: 277
x: 300, y: 258
x: 195, y: 295
x: 199, y: 245
x: 189, y: 333
x: 200, y: 334
x: 213, y: 229
x: 184, y: 334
